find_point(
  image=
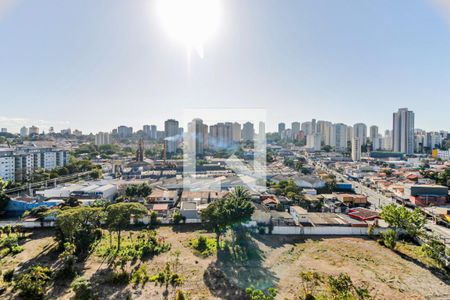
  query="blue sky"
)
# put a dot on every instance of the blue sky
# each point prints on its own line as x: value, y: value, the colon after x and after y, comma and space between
x: 94, y: 65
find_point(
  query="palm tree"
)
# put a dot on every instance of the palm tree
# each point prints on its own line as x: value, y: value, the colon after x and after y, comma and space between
x: 241, y: 193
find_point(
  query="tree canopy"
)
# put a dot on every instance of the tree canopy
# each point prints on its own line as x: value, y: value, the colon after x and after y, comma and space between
x: 118, y: 216
x: 232, y: 209
x: 401, y: 218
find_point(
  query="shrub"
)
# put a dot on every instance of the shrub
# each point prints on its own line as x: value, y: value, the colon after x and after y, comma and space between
x: 203, y: 245
x: 146, y: 244
x: 255, y: 294
x: 8, y: 275
x: 140, y: 276
x: 389, y: 238
x: 180, y: 295
x: 82, y: 289
x: 177, y: 218
x: 31, y: 285
x: 16, y: 249
x: 120, y: 277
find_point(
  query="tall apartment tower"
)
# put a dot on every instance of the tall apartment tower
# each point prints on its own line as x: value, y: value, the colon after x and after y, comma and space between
x: 324, y: 129
x: 356, y: 149
x: 262, y: 130
x: 360, y: 132
x: 23, y: 131
x: 373, y: 132
x: 171, y: 130
x: 102, y: 138
x: 403, y: 131
x: 236, y: 132
x: 196, y: 131
x: 281, y: 128
x: 248, y: 131
x: 339, y: 137
x: 295, y: 126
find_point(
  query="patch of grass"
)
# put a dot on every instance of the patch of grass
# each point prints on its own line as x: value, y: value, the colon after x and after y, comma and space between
x: 203, y: 245
x: 145, y: 244
x: 417, y: 253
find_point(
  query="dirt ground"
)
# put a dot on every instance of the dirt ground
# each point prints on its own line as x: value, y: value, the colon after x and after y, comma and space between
x: 272, y: 261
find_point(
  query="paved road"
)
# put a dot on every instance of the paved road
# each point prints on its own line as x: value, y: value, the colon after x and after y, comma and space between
x: 377, y: 200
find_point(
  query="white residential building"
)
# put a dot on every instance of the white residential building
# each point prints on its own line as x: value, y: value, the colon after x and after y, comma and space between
x: 18, y: 164
x: 339, y: 137
x: 313, y: 141
x: 356, y: 149
x: 23, y: 131
x: 403, y: 131
x: 7, y: 164
x: 360, y: 132
x: 102, y: 138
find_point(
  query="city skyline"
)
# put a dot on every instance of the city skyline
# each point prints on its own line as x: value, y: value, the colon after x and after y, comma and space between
x: 309, y: 60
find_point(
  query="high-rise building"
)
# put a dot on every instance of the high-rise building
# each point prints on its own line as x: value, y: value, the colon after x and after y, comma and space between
x: 324, y: 129
x: 23, y: 131
x: 339, y: 137
x: 295, y: 127
x: 313, y: 126
x: 349, y: 133
x: 146, y: 130
x: 403, y: 131
x: 373, y: 132
x: 236, y: 132
x: 313, y: 141
x: 196, y: 133
x: 153, y: 132
x: 4, y: 130
x: 262, y: 130
x: 360, y: 132
x: 307, y: 128
x: 356, y: 149
x: 221, y: 135
x: 33, y: 130
x: 7, y: 164
x: 434, y: 140
x: 205, y: 137
x: 171, y: 128
x: 386, y: 143
x: 102, y: 138
x: 248, y: 131
x: 124, y: 131
x: 281, y: 128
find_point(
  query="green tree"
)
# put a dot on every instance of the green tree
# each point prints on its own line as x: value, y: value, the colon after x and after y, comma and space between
x: 79, y: 226
x: 118, y: 216
x: 400, y: 218
x: 167, y: 277
x: 4, y: 199
x: 234, y: 208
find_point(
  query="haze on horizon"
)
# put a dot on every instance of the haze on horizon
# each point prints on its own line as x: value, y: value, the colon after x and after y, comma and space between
x: 94, y: 65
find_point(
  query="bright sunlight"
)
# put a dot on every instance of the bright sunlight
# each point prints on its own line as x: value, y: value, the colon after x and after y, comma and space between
x: 191, y: 22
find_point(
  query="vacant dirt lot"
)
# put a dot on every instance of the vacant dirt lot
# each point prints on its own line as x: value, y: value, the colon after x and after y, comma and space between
x: 271, y: 261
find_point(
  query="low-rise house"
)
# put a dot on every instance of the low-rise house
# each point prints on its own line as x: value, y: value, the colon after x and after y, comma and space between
x: 352, y: 199
x: 270, y: 201
x: 163, y: 196
x: 162, y: 209
x: 363, y: 214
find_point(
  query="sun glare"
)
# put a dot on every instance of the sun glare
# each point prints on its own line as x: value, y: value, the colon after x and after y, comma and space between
x: 191, y: 22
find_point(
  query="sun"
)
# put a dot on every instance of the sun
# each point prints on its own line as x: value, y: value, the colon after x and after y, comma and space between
x: 190, y: 22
